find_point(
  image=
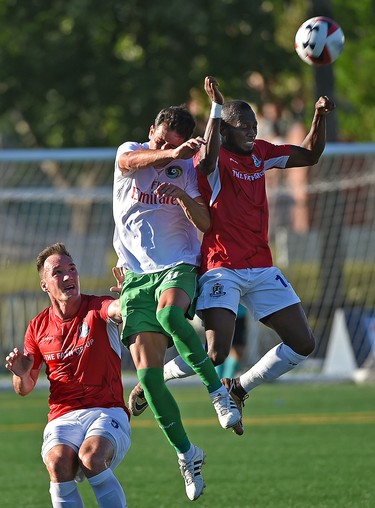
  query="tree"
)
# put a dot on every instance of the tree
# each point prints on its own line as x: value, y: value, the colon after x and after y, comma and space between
x: 73, y: 75
x: 81, y: 73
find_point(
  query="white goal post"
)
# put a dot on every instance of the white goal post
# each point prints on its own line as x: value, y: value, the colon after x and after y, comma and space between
x: 322, y: 235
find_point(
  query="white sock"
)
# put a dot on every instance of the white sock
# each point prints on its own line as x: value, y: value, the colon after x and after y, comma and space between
x: 220, y: 391
x: 107, y: 490
x: 187, y: 455
x: 65, y: 495
x: 277, y: 361
x: 177, y: 369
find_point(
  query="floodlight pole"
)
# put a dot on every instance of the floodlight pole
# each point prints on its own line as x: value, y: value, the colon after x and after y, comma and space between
x: 332, y: 253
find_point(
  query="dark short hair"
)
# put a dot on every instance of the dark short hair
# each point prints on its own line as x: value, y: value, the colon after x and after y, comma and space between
x: 232, y: 110
x: 178, y: 119
x: 56, y: 248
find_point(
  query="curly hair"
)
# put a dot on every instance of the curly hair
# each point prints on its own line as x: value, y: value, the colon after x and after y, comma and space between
x: 232, y: 110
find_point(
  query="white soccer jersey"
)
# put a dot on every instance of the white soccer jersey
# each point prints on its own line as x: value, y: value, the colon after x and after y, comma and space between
x: 152, y: 233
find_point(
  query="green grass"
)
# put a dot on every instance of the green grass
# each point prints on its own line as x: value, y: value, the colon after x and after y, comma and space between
x: 304, y: 446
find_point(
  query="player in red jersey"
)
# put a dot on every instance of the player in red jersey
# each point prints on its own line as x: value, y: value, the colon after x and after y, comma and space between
x: 237, y: 262
x: 77, y: 337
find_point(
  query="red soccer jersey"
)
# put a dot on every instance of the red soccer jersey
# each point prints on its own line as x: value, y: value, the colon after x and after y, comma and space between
x: 82, y: 357
x: 236, y: 193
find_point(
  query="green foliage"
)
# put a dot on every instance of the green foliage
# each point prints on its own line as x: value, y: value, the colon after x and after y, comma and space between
x: 76, y: 73
x: 355, y: 76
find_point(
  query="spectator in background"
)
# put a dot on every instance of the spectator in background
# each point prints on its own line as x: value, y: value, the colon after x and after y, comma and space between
x: 77, y: 338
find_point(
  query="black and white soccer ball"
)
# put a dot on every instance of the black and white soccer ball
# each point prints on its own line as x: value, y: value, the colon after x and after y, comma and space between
x: 319, y: 41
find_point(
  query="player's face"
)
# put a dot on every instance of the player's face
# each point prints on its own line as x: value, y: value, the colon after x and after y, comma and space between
x: 161, y: 138
x: 239, y: 134
x: 60, y: 278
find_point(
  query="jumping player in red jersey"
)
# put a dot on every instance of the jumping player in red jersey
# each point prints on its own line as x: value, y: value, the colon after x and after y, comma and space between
x: 77, y: 337
x: 237, y: 262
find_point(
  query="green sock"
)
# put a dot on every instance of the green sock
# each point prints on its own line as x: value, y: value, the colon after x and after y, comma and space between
x: 164, y: 407
x: 188, y: 345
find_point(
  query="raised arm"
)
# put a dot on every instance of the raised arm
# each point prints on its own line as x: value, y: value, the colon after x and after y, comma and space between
x: 21, y: 366
x: 140, y: 159
x: 210, y: 150
x: 313, y: 145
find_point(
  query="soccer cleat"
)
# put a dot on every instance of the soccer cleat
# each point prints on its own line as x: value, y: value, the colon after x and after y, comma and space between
x: 239, y: 396
x: 226, y: 410
x: 191, y: 472
x: 137, y: 401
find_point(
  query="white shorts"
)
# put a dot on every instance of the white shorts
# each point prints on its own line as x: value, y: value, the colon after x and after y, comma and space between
x: 74, y: 427
x: 261, y: 290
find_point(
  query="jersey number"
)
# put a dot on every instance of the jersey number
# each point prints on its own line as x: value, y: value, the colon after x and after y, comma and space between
x: 278, y: 277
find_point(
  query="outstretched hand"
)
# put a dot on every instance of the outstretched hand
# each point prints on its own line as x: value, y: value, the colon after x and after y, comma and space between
x: 324, y: 105
x: 188, y: 149
x: 211, y: 87
x: 19, y: 363
x: 119, y: 275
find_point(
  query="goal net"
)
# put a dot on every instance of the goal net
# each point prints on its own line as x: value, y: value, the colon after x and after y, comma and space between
x: 322, y: 236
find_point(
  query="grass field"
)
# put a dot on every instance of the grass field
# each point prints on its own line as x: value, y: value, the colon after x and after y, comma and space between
x: 304, y: 446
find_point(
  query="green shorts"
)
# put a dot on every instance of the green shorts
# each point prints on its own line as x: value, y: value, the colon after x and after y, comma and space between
x: 140, y: 296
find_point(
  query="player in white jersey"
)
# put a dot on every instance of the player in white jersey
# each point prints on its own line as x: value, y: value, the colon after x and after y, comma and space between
x: 157, y: 208
x: 152, y: 232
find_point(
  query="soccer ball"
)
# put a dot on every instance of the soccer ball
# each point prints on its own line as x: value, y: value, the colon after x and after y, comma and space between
x: 319, y: 41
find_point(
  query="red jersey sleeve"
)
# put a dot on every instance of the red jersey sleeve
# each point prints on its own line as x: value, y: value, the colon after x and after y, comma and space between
x: 101, y: 305
x: 31, y: 346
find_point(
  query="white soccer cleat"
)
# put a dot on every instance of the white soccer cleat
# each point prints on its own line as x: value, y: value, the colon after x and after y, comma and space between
x: 137, y: 401
x: 191, y: 472
x: 226, y: 410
